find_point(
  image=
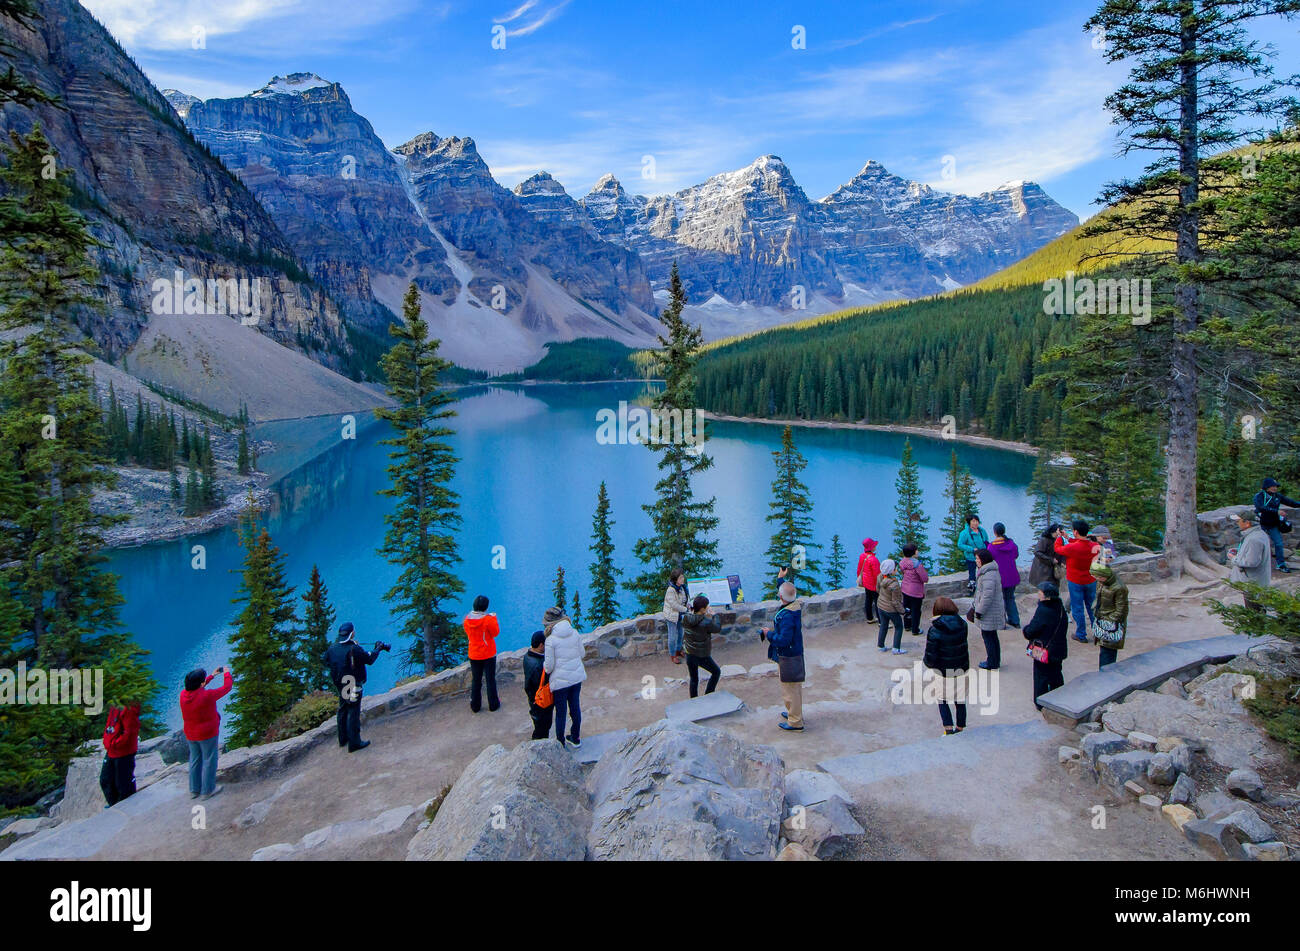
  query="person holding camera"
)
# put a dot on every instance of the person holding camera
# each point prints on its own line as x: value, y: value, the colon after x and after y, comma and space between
x: 347, y: 661
x: 202, y: 724
x: 1268, y: 505
x: 1079, y: 554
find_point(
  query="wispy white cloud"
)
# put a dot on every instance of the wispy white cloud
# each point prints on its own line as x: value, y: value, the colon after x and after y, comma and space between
x: 531, y: 17
x: 882, y: 30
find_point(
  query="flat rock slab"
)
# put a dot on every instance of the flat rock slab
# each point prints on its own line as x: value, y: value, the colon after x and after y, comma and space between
x: 963, y: 749
x: 716, y: 704
x: 1215, y: 650
x: 594, y: 747
x: 1080, y: 696
x: 1156, y: 666
x: 807, y: 787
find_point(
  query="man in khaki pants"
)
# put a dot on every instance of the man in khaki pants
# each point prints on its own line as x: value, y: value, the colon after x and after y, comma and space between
x: 785, y: 649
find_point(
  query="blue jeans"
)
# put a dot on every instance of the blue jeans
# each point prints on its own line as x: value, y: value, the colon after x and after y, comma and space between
x: 203, y: 765
x: 1279, y: 551
x: 970, y: 571
x: 885, y: 618
x: 1082, y: 597
x: 1107, y: 655
x: 674, y: 638
x: 567, y: 703
x: 1013, y: 609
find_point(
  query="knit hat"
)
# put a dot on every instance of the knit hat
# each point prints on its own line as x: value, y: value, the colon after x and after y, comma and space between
x: 1247, y: 515
x: 1101, y: 570
x: 869, y: 544
x: 552, y: 617
x: 1270, y: 483
x: 346, y: 632
x: 887, y: 566
x: 1050, y: 589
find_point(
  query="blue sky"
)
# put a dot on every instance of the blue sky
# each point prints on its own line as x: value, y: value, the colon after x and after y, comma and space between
x: 989, y: 91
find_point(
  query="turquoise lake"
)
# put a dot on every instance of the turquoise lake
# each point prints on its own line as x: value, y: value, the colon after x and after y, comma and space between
x: 529, y: 471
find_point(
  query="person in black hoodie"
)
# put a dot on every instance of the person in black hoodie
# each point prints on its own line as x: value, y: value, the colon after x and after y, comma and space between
x: 347, y: 661
x: 1047, y: 630
x: 533, y: 662
x: 947, y: 652
x: 698, y: 627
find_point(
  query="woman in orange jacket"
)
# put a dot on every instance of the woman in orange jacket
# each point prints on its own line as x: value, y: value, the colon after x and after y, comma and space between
x: 481, y: 630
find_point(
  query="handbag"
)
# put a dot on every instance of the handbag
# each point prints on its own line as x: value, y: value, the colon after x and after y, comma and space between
x: 1038, y: 651
x: 1106, y: 632
x: 792, y: 670
x: 1284, y: 526
x: 543, y: 697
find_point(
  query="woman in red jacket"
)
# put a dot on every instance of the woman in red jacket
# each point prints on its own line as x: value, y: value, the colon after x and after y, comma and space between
x: 121, y: 738
x: 868, y: 572
x: 481, y: 630
x: 202, y: 724
x: 1079, y: 553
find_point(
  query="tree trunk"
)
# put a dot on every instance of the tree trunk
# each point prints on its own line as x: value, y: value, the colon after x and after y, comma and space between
x: 1182, y: 540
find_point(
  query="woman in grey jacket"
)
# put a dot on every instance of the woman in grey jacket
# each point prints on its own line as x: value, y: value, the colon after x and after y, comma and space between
x: 989, y: 610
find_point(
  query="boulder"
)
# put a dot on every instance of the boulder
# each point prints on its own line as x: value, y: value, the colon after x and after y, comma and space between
x: 1120, y: 768
x: 1178, y: 815
x: 676, y: 790
x: 1184, y: 790
x: 1224, y: 692
x: 82, y: 797
x: 1103, y: 744
x: 1151, y: 802
x: 1142, y: 741
x: 827, y: 829
x: 1068, y: 755
x: 1217, y: 838
x: 273, y: 853
x: 1161, y: 770
x: 807, y: 787
x: 29, y: 825
x: 766, y: 669
x: 1230, y: 740
x: 793, y: 852
x: 528, y: 803
x: 1173, y: 687
x: 1265, y: 851
x: 1246, y: 783
x: 1215, y: 805
x: 1247, y: 821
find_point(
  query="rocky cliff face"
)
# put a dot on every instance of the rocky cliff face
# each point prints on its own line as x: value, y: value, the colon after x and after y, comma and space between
x: 156, y: 198
x: 751, y: 237
x: 331, y: 185
x: 497, y: 282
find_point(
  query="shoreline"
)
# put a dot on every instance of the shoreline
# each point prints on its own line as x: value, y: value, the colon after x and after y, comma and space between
x: 988, y: 442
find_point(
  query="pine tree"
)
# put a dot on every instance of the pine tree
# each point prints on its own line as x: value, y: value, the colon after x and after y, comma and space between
x: 1191, y: 65
x: 791, y: 513
x: 839, y: 563
x: 209, y: 491
x: 420, y: 536
x: 193, y: 494
x: 681, y: 526
x: 262, y: 645
x: 61, y: 605
x: 604, y: 576
x: 175, y: 484
x: 559, y: 593
x: 963, y: 501
x: 575, y: 615
x: 315, y: 637
x: 244, y: 467
x: 910, y: 522
x: 1050, y: 489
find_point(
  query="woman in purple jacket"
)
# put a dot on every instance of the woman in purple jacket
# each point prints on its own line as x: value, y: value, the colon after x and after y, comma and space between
x: 912, y: 579
x: 1005, y: 552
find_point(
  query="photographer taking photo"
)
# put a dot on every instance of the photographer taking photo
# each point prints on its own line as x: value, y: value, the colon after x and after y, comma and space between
x: 347, y: 661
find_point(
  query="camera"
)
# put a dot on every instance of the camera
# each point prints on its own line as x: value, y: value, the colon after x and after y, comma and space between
x: 381, y: 646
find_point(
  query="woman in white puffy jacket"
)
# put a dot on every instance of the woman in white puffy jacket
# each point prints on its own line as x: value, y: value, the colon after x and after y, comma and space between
x: 565, y: 673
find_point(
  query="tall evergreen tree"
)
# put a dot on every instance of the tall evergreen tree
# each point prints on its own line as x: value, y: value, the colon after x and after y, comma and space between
x: 314, y: 639
x: 1049, y: 488
x: 243, y: 457
x: 262, y: 647
x: 1198, y: 83
x: 910, y: 521
x: 682, y: 527
x: 604, y: 575
x: 791, y: 514
x: 839, y: 563
x: 963, y: 501
x: 62, y: 606
x: 420, y: 536
x: 559, y: 591
x: 575, y: 613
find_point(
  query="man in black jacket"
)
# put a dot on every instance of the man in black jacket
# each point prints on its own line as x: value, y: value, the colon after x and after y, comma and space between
x: 1048, y: 629
x: 347, y: 661
x: 533, y: 662
x: 1268, y: 503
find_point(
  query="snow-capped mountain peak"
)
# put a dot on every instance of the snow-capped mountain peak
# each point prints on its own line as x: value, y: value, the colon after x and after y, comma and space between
x: 294, y: 84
